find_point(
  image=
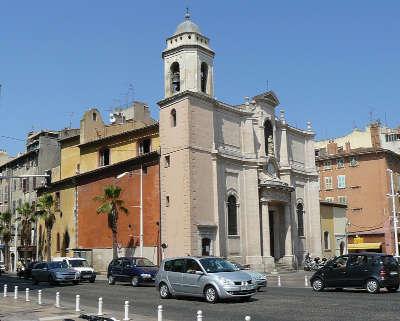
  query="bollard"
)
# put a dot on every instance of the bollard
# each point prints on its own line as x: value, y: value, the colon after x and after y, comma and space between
x: 5, y: 290
x: 279, y: 280
x: 27, y: 295
x: 57, y: 299
x: 199, y: 315
x: 126, y: 311
x: 77, y: 303
x: 159, y: 314
x: 247, y: 318
x: 16, y: 292
x: 305, y: 281
x: 40, y: 297
x: 100, y: 312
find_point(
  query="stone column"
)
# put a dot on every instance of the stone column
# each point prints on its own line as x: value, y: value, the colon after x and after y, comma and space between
x: 265, y: 229
x: 288, y: 238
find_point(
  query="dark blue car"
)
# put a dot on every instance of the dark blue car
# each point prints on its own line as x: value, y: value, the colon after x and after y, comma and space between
x: 135, y: 270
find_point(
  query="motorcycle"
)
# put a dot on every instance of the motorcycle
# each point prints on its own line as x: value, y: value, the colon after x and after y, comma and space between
x: 313, y: 264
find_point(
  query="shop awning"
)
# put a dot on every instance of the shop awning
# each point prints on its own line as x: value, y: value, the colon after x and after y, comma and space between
x: 364, y: 246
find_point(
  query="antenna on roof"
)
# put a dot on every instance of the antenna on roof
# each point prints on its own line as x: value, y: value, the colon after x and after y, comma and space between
x: 267, y: 85
x: 70, y: 114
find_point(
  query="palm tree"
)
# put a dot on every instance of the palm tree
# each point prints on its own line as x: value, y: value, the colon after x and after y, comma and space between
x: 111, y: 204
x: 45, y: 211
x: 27, y: 217
x: 6, y: 233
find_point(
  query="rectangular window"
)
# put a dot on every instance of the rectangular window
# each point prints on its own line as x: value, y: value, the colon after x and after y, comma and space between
x: 104, y: 157
x: 14, y: 185
x: 33, y: 183
x: 167, y: 161
x: 340, y: 163
x: 328, y: 183
x: 25, y: 185
x: 144, y: 146
x: 57, y: 201
x: 327, y: 165
x: 342, y: 199
x: 167, y: 201
x: 330, y: 199
x: 341, y: 181
x: 353, y: 161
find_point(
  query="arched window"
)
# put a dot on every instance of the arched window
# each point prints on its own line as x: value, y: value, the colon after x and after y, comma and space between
x: 300, y: 219
x: 269, y: 138
x: 326, y: 240
x: 173, y: 118
x: 232, y: 216
x: 58, y: 242
x: 204, y: 76
x: 175, y: 78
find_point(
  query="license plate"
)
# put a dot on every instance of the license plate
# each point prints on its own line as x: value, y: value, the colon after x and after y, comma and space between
x: 393, y: 273
x: 245, y: 287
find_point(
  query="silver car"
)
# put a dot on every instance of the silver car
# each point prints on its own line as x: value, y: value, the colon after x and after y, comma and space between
x: 208, y: 277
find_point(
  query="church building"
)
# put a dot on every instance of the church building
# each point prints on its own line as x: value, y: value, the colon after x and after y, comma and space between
x: 236, y: 181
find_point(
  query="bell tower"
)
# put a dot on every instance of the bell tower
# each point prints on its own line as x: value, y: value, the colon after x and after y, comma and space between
x: 188, y: 61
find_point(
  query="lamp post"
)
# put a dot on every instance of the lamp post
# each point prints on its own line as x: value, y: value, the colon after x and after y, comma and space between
x: 140, y: 206
x: 393, y: 195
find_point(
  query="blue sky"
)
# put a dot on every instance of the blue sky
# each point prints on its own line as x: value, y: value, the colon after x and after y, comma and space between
x: 330, y: 62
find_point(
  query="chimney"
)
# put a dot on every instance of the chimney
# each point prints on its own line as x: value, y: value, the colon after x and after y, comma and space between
x: 332, y: 147
x: 348, y: 148
x: 375, y: 139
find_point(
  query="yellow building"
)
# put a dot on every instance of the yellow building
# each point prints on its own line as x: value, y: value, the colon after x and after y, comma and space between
x: 333, y: 228
x: 92, y: 146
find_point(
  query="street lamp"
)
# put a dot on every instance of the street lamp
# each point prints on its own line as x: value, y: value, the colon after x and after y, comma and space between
x: 140, y: 206
x: 393, y: 195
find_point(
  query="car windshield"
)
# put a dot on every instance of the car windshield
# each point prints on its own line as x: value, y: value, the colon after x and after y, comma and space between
x: 57, y: 265
x: 78, y: 263
x: 143, y: 262
x: 215, y: 265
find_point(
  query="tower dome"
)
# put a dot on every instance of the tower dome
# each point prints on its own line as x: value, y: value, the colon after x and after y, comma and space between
x: 187, y: 26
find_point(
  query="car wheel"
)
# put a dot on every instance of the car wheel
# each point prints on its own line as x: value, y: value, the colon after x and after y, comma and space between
x: 164, y: 291
x: 318, y: 285
x: 211, y: 294
x: 111, y: 280
x: 372, y: 286
x: 92, y: 280
x: 392, y: 288
x: 135, y: 281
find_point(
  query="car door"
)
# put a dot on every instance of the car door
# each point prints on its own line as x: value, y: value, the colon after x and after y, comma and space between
x: 127, y: 267
x: 37, y: 271
x: 358, y: 270
x: 191, y: 277
x: 44, y: 272
x: 174, y: 276
x: 336, y: 274
x: 116, y: 270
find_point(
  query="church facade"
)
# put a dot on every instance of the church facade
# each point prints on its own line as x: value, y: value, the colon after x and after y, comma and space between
x: 236, y: 181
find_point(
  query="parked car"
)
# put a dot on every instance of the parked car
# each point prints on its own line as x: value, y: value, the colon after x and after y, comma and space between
x: 135, y: 270
x: 261, y: 278
x: 209, y: 277
x: 371, y: 271
x: 54, y: 272
x: 80, y: 265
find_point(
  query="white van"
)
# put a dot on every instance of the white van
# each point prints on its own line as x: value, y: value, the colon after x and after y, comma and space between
x: 79, y: 264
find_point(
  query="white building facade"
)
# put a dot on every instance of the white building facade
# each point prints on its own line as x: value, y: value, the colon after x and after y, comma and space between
x: 236, y: 181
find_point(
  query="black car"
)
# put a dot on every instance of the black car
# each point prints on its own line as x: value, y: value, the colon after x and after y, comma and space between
x: 135, y: 270
x: 371, y: 271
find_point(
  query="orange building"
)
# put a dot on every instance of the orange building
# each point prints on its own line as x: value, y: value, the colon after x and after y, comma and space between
x: 360, y: 178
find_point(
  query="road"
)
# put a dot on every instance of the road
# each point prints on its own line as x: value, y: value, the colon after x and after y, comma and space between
x: 273, y: 304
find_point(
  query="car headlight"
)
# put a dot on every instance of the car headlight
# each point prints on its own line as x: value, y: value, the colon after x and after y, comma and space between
x: 262, y: 277
x: 145, y: 275
x: 225, y: 282
x: 58, y: 274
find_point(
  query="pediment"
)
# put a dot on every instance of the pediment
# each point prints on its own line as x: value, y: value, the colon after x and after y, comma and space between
x: 268, y: 96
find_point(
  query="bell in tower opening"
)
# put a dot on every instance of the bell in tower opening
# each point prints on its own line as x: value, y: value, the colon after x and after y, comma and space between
x: 175, y: 78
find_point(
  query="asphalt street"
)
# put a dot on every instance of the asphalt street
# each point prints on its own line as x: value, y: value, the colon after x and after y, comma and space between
x: 274, y: 303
